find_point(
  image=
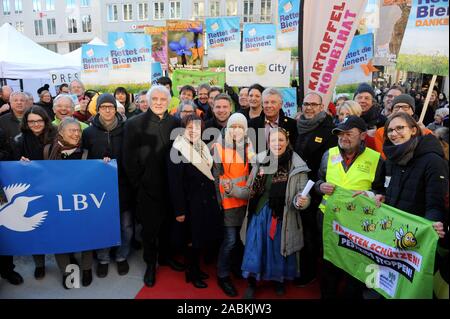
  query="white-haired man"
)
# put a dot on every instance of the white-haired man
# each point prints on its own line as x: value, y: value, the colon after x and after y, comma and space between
x: 145, y: 152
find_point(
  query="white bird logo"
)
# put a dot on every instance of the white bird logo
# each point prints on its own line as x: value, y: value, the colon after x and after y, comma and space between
x: 12, y: 214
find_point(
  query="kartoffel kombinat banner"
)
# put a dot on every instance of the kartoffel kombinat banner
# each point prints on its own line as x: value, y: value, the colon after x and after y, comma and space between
x: 130, y: 56
x: 222, y: 35
x: 95, y: 64
x: 288, y: 23
x: 328, y: 29
x: 266, y: 68
x: 389, y: 250
x: 358, y: 65
x: 425, y: 43
x: 51, y: 209
x: 259, y: 37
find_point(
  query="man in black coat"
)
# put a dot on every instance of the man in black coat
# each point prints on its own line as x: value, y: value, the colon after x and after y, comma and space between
x: 146, y: 147
x: 272, y: 116
x: 6, y: 262
x: 10, y: 122
x: 314, y: 139
x: 104, y: 140
x: 371, y: 112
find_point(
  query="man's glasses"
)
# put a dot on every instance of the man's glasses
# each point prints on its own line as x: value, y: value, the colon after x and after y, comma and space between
x: 312, y: 105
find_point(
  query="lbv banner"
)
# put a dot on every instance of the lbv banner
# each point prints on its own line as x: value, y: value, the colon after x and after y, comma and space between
x: 389, y: 250
x: 58, y: 206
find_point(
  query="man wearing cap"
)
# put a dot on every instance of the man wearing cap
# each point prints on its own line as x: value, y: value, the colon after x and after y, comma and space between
x: 402, y: 103
x: 352, y: 166
x: 104, y: 140
x: 371, y: 113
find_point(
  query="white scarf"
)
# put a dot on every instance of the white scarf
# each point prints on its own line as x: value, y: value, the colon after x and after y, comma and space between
x: 203, y: 162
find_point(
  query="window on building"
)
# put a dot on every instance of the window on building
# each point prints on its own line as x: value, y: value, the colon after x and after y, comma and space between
x: 86, y: 23
x: 6, y: 8
x: 143, y: 11
x: 70, y: 4
x: 19, y: 26
x: 38, y: 28
x: 85, y: 3
x: 113, y: 13
x: 50, y: 46
x: 75, y: 45
x: 175, y: 10
x: 127, y: 12
x: 232, y: 8
x: 50, y: 5
x: 51, y: 26
x: 72, y: 25
x: 37, y: 6
x: 248, y: 10
x: 18, y: 6
x: 158, y: 12
x: 266, y: 10
x: 199, y: 9
x: 215, y: 8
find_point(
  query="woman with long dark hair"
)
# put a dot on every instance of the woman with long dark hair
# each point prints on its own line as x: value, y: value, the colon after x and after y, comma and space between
x: 125, y: 98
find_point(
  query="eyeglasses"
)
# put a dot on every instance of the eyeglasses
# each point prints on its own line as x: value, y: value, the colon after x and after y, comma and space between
x: 73, y: 130
x: 187, y: 111
x: 37, y: 122
x: 390, y: 96
x: 398, y: 129
x: 404, y: 107
x: 312, y: 105
x: 106, y: 107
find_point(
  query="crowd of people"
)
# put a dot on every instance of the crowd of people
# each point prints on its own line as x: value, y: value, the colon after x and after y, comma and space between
x: 218, y: 174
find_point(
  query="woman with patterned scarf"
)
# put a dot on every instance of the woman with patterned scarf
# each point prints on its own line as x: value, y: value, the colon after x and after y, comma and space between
x: 274, y: 235
x: 193, y: 195
x: 67, y: 147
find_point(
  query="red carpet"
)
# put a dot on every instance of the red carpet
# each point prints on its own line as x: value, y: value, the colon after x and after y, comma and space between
x: 172, y: 285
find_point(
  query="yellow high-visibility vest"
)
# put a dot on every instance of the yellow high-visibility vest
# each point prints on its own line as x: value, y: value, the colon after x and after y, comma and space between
x: 359, y: 177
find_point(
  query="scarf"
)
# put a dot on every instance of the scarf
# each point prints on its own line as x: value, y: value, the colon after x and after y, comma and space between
x: 109, y: 126
x: 32, y: 147
x: 400, y: 154
x: 62, y: 149
x: 277, y: 195
x: 305, y: 126
x: 196, y: 153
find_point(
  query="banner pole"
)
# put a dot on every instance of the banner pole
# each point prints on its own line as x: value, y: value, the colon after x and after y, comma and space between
x: 301, y: 80
x: 427, y: 99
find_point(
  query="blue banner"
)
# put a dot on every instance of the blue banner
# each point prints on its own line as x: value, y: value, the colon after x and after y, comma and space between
x: 222, y: 34
x: 259, y: 37
x: 288, y: 23
x: 157, y: 72
x: 52, y: 208
x: 95, y: 64
x: 130, y: 57
x: 289, y: 101
x: 358, y: 65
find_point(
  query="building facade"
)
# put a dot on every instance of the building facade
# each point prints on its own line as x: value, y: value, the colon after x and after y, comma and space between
x: 58, y: 25
x: 64, y: 25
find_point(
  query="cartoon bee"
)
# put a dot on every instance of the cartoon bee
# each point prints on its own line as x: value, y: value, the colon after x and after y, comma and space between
x: 350, y: 206
x: 405, y: 240
x: 386, y: 223
x: 369, y: 226
x: 368, y: 211
x: 336, y: 209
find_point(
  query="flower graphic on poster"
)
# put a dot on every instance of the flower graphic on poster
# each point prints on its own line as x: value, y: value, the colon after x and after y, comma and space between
x: 182, y: 48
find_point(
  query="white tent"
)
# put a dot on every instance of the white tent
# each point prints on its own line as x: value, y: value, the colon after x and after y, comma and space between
x: 22, y: 58
x: 75, y: 56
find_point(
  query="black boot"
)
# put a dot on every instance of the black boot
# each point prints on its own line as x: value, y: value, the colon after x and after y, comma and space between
x: 227, y: 286
x: 14, y: 278
x: 150, y: 275
x: 39, y: 272
x: 87, y: 277
x: 251, y: 288
x: 193, y: 276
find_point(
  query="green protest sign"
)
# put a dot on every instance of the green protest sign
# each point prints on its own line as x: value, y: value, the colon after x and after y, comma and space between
x: 195, y: 78
x: 387, y: 249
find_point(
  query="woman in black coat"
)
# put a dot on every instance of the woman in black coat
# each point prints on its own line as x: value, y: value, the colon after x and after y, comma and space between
x: 36, y: 131
x: 193, y: 194
x: 103, y: 140
x: 416, y: 171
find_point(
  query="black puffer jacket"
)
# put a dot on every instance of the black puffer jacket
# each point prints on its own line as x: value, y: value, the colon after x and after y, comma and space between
x: 421, y: 186
x: 101, y: 143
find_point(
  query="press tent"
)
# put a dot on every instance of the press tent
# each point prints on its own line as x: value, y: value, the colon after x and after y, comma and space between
x: 22, y: 58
